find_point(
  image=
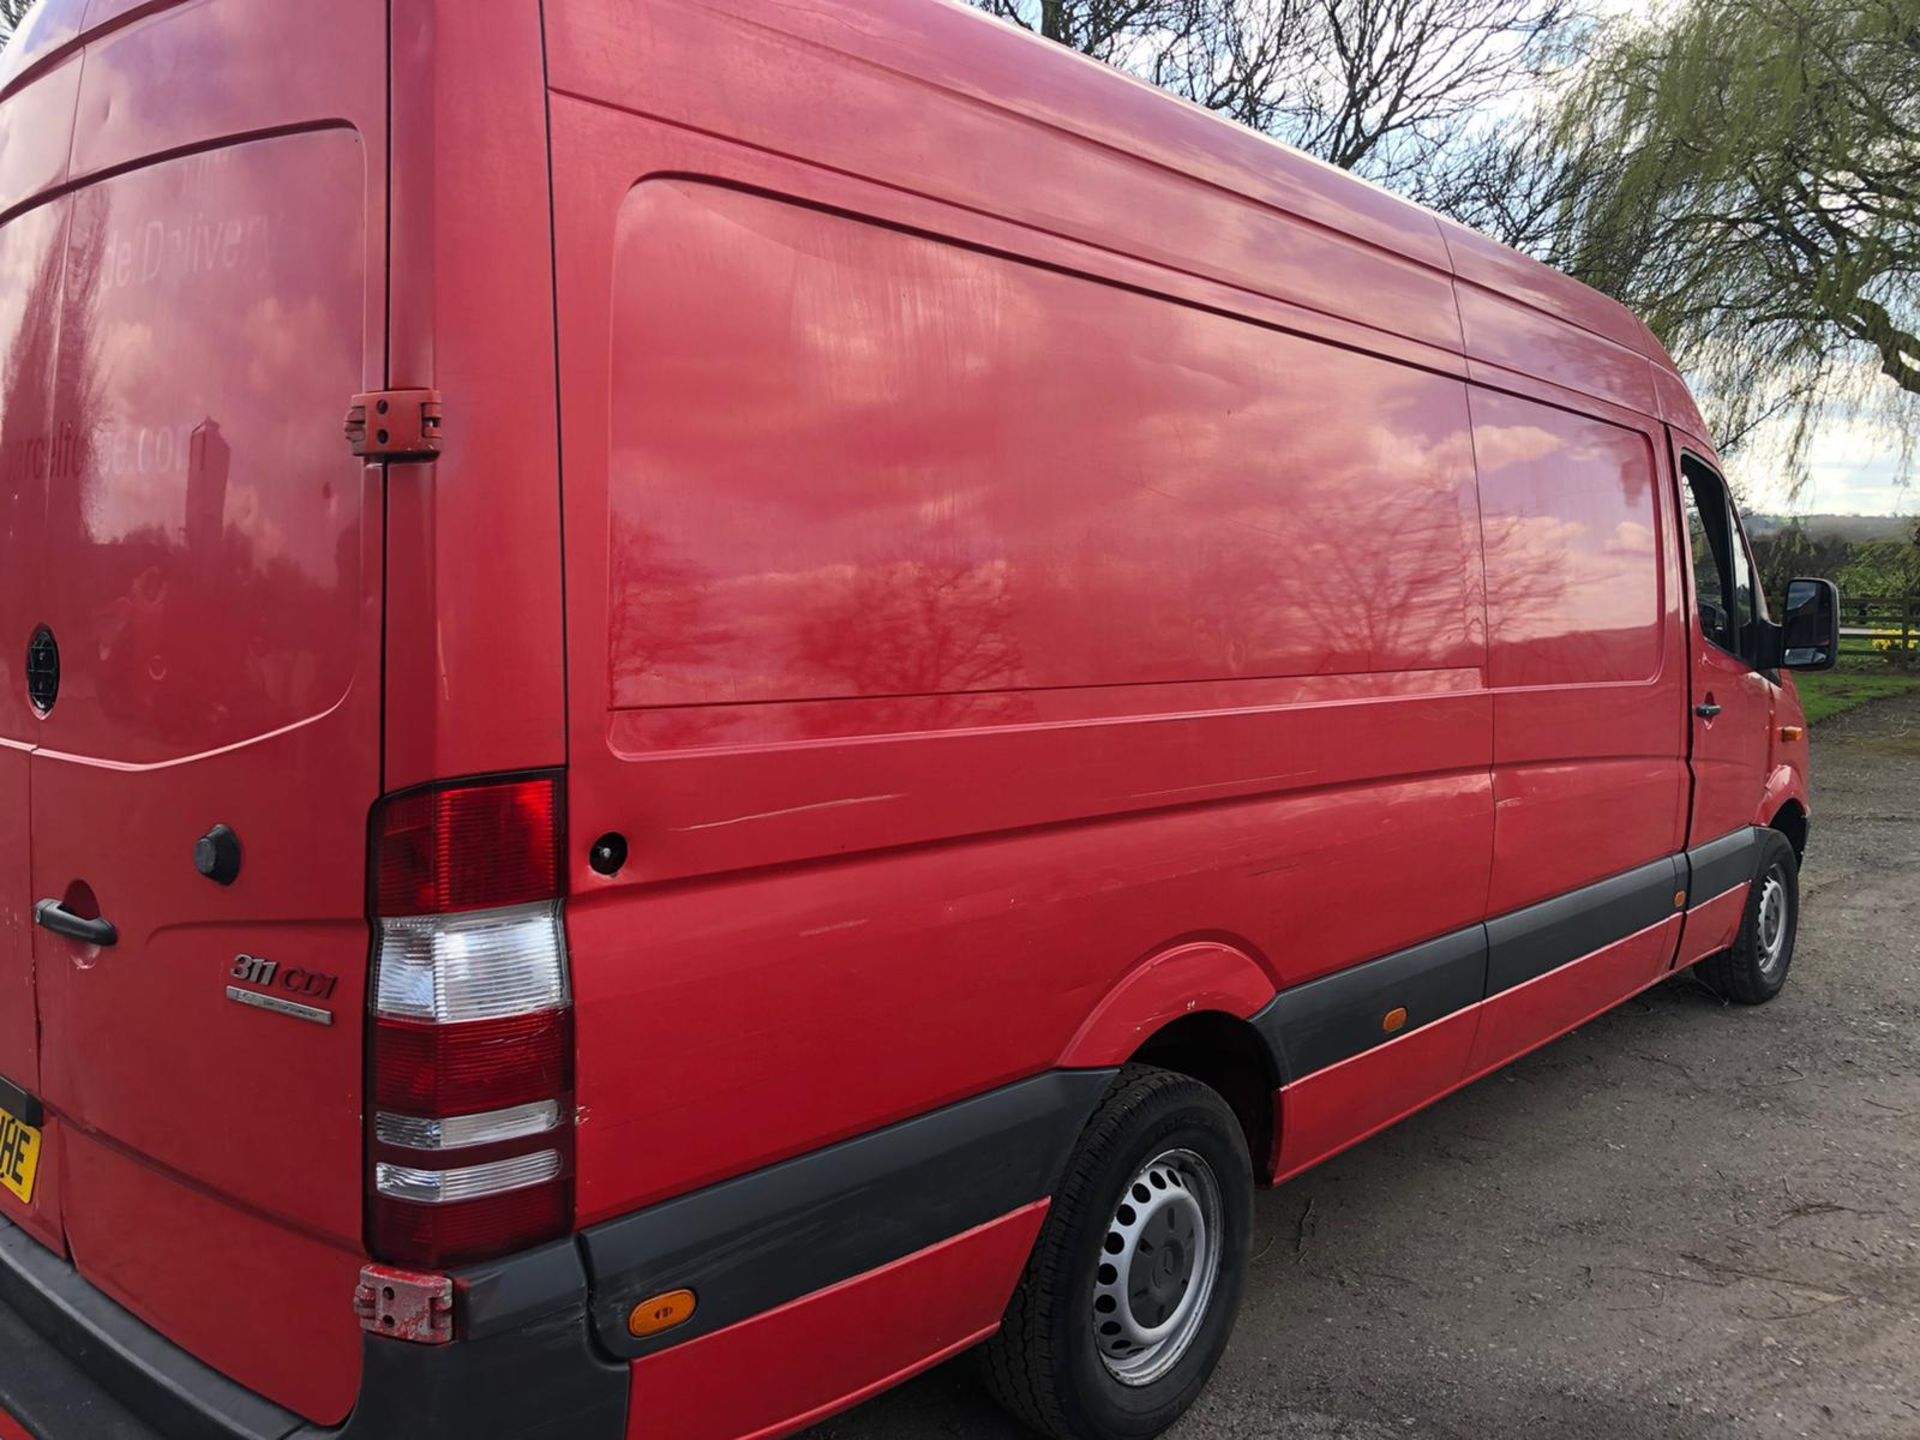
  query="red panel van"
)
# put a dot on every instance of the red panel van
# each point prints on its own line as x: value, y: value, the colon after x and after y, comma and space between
x: 916, y: 667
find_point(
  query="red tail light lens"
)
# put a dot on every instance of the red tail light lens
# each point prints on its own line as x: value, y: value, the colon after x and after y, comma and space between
x: 436, y: 1236
x: 471, y: 1143
x: 468, y: 847
x: 441, y: 1070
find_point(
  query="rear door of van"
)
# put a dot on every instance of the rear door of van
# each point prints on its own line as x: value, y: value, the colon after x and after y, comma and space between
x: 31, y: 249
x: 192, y: 560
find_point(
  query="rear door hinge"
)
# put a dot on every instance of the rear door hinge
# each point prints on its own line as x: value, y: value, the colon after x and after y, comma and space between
x: 395, y: 425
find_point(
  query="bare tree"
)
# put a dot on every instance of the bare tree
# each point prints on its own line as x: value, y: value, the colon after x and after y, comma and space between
x: 12, y: 12
x: 1383, y: 87
x: 1388, y: 85
x: 1134, y: 34
x: 1513, y: 179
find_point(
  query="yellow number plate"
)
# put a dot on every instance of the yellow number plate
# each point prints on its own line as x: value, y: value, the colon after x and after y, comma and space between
x: 19, y: 1156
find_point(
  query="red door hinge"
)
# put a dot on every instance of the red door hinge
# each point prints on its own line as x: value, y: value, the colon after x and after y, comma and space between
x: 397, y: 425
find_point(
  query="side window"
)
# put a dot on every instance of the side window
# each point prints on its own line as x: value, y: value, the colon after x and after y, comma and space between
x: 1731, y: 605
x: 1744, y: 609
x: 1710, y: 531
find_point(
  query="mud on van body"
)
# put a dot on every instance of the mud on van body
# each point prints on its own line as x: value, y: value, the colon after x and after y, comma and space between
x: 917, y: 665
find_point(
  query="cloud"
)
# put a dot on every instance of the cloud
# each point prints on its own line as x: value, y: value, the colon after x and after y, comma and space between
x: 1855, y: 466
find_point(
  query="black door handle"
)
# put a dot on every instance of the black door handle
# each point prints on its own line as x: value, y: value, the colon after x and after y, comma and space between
x: 1708, y: 711
x: 52, y: 915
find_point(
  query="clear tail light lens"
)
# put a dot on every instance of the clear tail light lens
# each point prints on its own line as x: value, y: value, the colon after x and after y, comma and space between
x: 471, y: 1151
x: 480, y: 965
x: 464, y: 1132
x: 472, y: 1182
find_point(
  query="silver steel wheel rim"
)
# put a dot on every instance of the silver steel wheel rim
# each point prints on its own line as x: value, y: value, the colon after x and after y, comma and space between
x: 1775, y: 911
x: 1159, y: 1261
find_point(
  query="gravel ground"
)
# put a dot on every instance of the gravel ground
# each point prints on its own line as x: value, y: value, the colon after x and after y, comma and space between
x: 1684, y: 1220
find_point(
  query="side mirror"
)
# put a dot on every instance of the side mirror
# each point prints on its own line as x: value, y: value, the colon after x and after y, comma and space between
x: 1810, y: 631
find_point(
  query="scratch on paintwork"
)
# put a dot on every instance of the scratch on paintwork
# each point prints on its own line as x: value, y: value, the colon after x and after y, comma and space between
x: 796, y: 810
x: 1224, y: 784
x: 830, y: 929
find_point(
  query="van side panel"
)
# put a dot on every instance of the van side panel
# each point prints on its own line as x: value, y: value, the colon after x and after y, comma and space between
x: 1504, y: 333
x: 970, y: 630
x: 987, y: 579
x: 1585, y: 656
x: 908, y: 1315
x: 1337, y: 1107
x: 1100, y: 155
x: 277, y: 66
x: 35, y: 126
x: 1677, y: 405
x: 1712, y: 924
x: 1343, y: 1104
x: 1562, y: 999
x: 1489, y: 266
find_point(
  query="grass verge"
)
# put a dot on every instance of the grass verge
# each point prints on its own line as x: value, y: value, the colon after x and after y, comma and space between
x: 1861, y: 677
x: 1836, y: 691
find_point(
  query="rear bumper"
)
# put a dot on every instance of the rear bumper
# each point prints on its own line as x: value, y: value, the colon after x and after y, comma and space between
x: 97, y: 1373
x: 75, y: 1366
x: 822, y: 1280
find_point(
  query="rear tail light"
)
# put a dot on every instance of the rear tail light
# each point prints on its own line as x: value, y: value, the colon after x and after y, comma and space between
x: 469, y: 847
x: 471, y: 1151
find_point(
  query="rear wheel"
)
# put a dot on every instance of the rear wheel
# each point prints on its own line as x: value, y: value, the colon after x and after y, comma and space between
x: 1132, y: 1290
x: 1755, y: 969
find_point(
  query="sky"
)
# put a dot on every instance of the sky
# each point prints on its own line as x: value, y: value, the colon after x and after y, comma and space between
x: 1856, y: 468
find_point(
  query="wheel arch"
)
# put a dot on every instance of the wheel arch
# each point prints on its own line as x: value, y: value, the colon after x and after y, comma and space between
x: 1228, y: 1056
x: 1785, y: 806
x: 1791, y: 821
x: 1184, y: 979
x: 1189, y: 1009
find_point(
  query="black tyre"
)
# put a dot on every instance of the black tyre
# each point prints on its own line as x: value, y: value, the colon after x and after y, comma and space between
x: 1132, y: 1290
x: 1755, y: 969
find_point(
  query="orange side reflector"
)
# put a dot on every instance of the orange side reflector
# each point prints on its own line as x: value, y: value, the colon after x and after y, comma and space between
x: 1679, y: 899
x: 661, y: 1313
x: 1790, y: 733
x: 1396, y: 1021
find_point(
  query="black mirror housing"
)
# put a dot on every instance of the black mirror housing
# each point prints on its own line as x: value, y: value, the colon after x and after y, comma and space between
x: 1810, y: 630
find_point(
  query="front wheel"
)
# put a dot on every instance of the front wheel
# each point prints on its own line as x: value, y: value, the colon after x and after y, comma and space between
x: 1755, y: 969
x: 1132, y: 1289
